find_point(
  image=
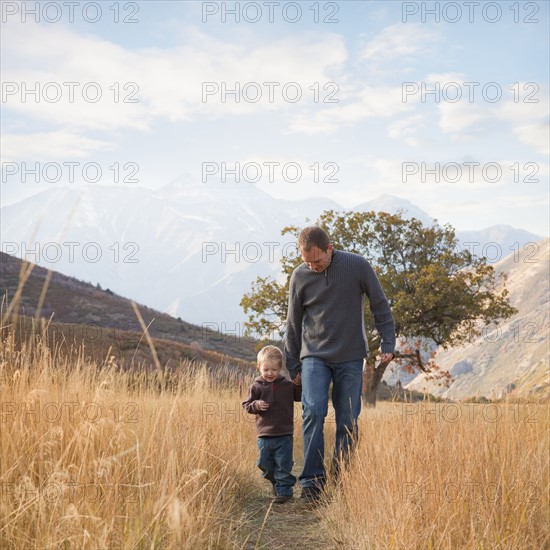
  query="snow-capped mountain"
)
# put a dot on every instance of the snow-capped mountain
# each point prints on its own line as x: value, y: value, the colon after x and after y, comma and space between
x: 190, y: 249
x: 391, y: 204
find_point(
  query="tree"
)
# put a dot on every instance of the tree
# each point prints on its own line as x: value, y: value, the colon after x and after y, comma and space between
x: 439, y: 294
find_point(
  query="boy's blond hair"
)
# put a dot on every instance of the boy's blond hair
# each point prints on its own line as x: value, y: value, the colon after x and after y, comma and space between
x: 270, y: 353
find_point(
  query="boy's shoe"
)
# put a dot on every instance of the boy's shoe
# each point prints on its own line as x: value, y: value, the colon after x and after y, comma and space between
x: 311, y: 495
x: 281, y: 499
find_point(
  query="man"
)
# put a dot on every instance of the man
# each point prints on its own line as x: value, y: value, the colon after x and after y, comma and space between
x: 325, y: 333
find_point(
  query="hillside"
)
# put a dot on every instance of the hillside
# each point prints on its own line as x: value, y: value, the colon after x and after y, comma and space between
x: 74, y: 304
x: 76, y: 313
x: 512, y: 359
x: 127, y: 349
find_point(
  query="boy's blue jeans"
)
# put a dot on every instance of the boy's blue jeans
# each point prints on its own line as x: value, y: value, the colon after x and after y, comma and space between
x: 347, y: 381
x: 275, y: 461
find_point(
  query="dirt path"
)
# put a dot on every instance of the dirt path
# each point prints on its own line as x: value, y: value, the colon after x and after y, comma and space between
x: 291, y: 525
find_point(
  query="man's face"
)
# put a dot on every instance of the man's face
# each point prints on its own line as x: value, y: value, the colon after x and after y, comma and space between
x: 316, y: 259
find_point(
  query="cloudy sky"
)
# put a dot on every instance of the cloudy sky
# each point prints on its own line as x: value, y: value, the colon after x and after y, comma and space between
x: 347, y: 100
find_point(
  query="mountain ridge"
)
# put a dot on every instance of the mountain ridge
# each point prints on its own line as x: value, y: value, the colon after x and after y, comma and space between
x: 511, y: 359
x: 190, y: 249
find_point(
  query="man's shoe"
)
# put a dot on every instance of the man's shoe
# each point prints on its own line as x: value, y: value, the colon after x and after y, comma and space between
x: 281, y: 499
x: 311, y: 495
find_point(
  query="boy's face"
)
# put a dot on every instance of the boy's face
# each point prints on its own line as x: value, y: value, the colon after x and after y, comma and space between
x: 270, y: 370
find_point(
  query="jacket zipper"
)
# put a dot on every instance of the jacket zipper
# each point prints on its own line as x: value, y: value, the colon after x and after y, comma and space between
x: 326, y: 277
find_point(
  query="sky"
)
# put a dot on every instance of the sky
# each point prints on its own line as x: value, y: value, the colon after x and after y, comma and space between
x: 442, y: 103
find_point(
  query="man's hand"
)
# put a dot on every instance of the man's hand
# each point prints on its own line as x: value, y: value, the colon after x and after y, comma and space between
x: 386, y: 357
x: 262, y: 405
x: 297, y: 381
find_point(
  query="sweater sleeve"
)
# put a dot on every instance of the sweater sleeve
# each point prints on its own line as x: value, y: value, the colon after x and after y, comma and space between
x: 297, y: 392
x: 250, y: 405
x: 293, y: 335
x: 380, y: 308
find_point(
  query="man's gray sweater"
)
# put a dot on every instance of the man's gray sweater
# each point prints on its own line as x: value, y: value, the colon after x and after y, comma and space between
x: 325, y: 312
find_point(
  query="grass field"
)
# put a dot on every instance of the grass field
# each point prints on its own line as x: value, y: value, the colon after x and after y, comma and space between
x: 95, y: 457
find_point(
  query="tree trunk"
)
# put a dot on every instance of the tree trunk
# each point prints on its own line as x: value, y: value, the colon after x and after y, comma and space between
x: 372, y: 376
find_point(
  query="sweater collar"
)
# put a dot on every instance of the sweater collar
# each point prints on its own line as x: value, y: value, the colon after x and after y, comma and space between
x: 336, y: 257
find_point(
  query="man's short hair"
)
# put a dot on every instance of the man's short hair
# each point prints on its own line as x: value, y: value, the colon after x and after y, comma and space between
x: 270, y: 353
x: 313, y: 236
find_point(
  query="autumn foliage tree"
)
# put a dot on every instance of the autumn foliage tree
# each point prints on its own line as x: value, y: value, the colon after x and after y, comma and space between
x: 440, y: 295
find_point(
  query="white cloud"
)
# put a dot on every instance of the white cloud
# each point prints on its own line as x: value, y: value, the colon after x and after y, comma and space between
x: 511, y: 208
x: 456, y: 117
x: 536, y: 135
x: 407, y: 128
x: 369, y: 102
x: 443, y: 79
x: 168, y: 82
x: 400, y: 40
x: 529, y: 120
x: 49, y: 146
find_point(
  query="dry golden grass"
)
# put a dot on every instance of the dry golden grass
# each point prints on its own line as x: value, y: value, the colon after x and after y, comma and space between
x: 94, y: 457
x: 446, y: 476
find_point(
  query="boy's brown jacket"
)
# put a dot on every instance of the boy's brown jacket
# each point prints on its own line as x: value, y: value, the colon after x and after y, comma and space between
x: 280, y: 394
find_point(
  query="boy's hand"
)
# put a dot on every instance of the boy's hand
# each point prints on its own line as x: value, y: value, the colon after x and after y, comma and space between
x: 262, y: 405
x: 297, y: 380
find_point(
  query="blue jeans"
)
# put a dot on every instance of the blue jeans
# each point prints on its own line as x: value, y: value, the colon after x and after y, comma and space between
x: 275, y: 462
x: 347, y: 381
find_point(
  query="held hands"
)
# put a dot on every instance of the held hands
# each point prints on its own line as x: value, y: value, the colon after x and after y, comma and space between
x: 297, y: 380
x: 262, y: 405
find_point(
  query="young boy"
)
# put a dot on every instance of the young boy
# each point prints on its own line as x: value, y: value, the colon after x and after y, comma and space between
x: 271, y: 398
